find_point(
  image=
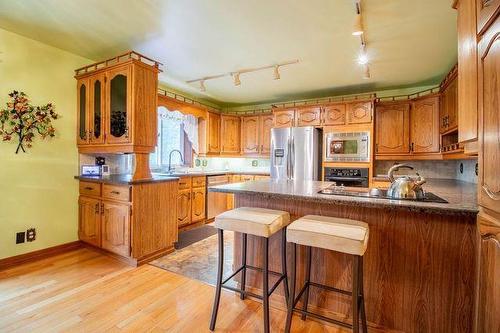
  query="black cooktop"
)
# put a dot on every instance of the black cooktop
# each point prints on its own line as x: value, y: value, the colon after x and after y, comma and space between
x: 375, y: 193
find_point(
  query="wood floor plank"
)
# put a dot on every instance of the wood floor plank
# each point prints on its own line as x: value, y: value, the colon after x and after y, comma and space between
x: 85, y: 291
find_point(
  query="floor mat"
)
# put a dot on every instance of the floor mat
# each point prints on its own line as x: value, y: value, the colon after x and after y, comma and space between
x: 192, y: 236
x: 199, y: 260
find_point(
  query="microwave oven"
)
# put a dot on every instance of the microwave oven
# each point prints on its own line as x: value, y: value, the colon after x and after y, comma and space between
x: 347, y: 147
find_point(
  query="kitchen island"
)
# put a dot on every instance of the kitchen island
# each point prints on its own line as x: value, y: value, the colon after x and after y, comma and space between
x: 420, y: 264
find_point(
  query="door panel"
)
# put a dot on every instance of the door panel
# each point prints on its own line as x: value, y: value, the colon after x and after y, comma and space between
x: 309, y: 116
x: 425, y: 125
x: 334, y: 114
x: 89, y: 220
x: 116, y: 227
x: 280, y: 139
x: 266, y: 124
x: 96, y: 110
x: 392, y: 128
x: 198, y: 204
x: 213, y: 135
x: 230, y: 134
x: 489, y: 106
x: 119, y: 106
x: 359, y: 113
x: 82, y: 137
x: 250, y: 135
x: 304, y: 153
x: 284, y: 118
x: 486, y: 11
x: 184, y: 207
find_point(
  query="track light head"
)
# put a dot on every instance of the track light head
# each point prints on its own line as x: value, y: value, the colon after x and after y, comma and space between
x: 363, y: 56
x: 276, y: 75
x: 236, y: 78
x: 202, y: 86
x: 358, y: 26
x: 366, y: 72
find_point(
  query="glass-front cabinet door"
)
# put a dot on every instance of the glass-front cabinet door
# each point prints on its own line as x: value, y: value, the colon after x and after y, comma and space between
x: 82, y: 136
x: 119, y: 107
x: 96, y: 111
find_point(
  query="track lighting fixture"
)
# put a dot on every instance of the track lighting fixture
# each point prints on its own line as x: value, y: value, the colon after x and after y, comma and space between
x: 276, y: 75
x: 236, y: 78
x: 202, y: 86
x: 358, y: 25
x: 366, y: 72
x: 362, y: 57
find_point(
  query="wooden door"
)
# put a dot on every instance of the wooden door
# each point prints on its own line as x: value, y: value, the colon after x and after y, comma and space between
x: 392, y: 128
x: 489, y: 106
x: 284, y: 118
x: 250, y: 143
x: 486, y: 12
x: 230, y: 134
x: 184, y: 207
x: 488, y: 319
x: 116, y: 227
x: 82, y: 93
x: 359, y: 112
x: 89, y: 220
x: 467, y: 71
x: 334, y: 114
x: 118, y: 111
x: 424, y: 128
x: 213, y: 135
x: 309, y: 116
x: 452, y: 105
x: 198, y: 203
x: 96, y: 109
x: 266, y: 124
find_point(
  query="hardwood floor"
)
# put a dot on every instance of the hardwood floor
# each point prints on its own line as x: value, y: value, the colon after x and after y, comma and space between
x: 85, y: 291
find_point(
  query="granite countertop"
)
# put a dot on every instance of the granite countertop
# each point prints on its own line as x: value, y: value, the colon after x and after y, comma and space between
x: 461, y: 196
x: 215, y: 173
x: 126, y: 179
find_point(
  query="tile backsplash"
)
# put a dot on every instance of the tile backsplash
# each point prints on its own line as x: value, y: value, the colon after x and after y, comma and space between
x: 118, y: 163
x: 449, y: 169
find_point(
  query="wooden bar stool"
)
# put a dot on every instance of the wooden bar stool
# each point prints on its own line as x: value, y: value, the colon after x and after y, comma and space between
x: 336, y: 234
x: 258, y: 222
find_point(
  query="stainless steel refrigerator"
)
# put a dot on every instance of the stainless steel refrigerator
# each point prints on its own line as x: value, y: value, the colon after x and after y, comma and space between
x: 296, y: 153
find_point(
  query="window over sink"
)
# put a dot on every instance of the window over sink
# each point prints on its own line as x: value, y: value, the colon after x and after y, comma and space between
x: 175, y: 131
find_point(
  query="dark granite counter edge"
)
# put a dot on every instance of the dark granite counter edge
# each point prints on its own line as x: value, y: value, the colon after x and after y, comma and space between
x: 120, y: 180
x: 372, y: 203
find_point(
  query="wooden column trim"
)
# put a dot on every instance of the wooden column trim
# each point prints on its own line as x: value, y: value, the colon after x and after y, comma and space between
x: 141, y: 167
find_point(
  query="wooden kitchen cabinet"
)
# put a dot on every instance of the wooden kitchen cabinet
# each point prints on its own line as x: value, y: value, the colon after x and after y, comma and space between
x: 191, y: 200
x: 250, y: 136
x: 136, y: 222
x: 266, y: 124
x: 486, y: 13
x: 117, y: 106
x: 284, y: 118
x: 116, y: 227
x: 334, y: 114
x: 89, y: 220
x: 213, y: 135
x: 467, y: 71
x: 230, y: 135
x: 392, y: 125
x: 424, y: 125
x: 308, y: 116
x: 448, y: 105
x: 184, y: 207
x: 489, y: 106
x: 359, y: 112
x: 198, y: 210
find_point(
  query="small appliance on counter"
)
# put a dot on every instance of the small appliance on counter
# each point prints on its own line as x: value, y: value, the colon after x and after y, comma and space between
x: 350, y: 177
x: 405, y: 187
x: 90, y: 170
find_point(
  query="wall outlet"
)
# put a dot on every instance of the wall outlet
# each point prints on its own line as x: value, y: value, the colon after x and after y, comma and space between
x: 31, y: 234
x: 20, y: 237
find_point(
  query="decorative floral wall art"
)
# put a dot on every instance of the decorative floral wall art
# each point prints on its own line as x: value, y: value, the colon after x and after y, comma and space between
x: 22, y: 121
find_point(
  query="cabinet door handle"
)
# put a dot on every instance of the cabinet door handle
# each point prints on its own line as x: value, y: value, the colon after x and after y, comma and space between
x: 90, y: 135
x: 126, y: 132
x: 97, y: 211
x: 411, y: 148
x: 115, y: 192
x: 376, y: 147
x: 102, y: 209
x: 493, y: 195
x: 88, y: 188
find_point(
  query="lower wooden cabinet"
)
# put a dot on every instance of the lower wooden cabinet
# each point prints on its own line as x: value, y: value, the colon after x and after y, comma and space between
x: 136, y: 222
x: 198, y: 210
x: 191, y: 201
x: 116, y: 227
x: 184, y: 207
x: 89, y: 220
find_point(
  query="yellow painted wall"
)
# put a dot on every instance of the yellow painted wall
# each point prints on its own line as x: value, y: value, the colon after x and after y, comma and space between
x: 37, y: 189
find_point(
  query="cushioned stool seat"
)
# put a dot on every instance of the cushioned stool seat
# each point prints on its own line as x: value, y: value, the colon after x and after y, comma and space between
x: 331, y: 233
x: 253, y: 221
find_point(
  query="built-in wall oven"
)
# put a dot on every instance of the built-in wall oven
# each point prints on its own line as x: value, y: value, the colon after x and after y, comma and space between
x: 349, y: 177
x: 347, y: 146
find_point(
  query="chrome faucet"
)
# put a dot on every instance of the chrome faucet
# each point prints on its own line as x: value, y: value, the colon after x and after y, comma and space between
x: 170, y: 159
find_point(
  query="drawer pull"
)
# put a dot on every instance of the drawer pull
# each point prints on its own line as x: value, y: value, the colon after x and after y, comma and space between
x: 115, y: 192
x: 491, y: 194
x: 88, y: 188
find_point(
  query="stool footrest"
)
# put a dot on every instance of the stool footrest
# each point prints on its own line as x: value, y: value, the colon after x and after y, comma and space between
x: 247, y: 293
x: 318, y: 316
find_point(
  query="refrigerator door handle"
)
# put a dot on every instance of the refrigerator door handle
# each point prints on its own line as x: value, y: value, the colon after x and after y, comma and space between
x: 288, y: 160
x: 292, y: 158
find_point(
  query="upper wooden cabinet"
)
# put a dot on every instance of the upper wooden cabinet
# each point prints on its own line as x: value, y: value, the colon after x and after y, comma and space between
x: 359, y: 112
x: 213, y: 137
x: 256, y: 134
x: 424, y: 125
x: 392, y: 123
x: 230, y: 134
x: 334, y: 114
x: 467, y: 71
x: 250, y: 143
x: 309, y: 116
x: 116, y: 105
x: 486, y: 13
x: 284, y: 118
x: 489, y: 106
x: 448, y: 106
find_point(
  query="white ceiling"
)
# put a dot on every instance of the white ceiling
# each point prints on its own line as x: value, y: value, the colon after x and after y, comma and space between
x: 409, y: 42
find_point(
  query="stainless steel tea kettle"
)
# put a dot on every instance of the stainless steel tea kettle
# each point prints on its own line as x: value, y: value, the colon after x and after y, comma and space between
x: 405, y: 187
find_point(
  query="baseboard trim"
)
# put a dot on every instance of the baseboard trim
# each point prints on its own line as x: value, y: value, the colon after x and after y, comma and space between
x: 39, y: 254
